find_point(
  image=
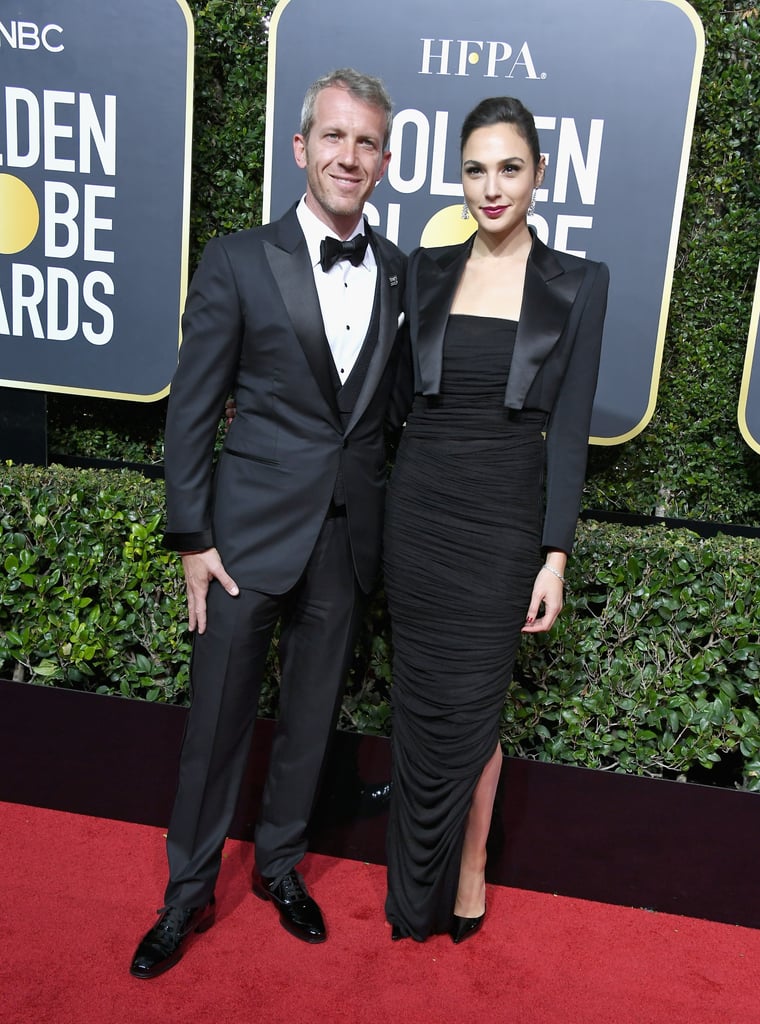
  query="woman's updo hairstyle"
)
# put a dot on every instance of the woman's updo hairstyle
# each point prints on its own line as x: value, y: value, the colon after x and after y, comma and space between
x: 502, y: 110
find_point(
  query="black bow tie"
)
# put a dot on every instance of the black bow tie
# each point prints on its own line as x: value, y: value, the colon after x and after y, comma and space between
x: 331, y: 250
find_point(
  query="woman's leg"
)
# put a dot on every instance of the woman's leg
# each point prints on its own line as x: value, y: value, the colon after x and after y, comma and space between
x: 471, y: 895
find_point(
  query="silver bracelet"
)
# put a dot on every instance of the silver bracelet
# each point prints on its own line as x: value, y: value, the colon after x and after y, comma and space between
x: 554, y: 572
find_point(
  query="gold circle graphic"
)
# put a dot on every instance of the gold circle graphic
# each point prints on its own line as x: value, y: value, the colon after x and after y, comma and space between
x: 447, y: 227
x: 19, y: 215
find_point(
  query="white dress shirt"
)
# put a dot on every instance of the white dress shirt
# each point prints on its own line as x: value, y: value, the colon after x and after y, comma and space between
x: 346, y: 293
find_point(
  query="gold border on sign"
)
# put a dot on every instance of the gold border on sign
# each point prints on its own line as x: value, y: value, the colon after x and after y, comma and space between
x: 752, y: 347
x: 184, y: 244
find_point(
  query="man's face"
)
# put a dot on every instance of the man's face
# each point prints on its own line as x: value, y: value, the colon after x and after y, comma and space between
x: 343, y: 157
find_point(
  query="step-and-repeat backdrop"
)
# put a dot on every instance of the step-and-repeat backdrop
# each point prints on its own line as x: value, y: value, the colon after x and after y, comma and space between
x: 95, y: 131
x: 613, y: 87
x: 95, y: 102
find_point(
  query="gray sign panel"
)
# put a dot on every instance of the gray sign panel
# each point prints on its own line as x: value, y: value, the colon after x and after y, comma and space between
x: 94, y: 159
x: 612, y: 84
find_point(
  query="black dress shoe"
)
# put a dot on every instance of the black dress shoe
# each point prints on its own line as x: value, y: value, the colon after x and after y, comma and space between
x: 299, y: 913
x: 165, y: 943
x: 463, y: 927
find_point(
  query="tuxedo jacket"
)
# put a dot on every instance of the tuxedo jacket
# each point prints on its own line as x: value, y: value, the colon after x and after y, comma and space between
x: 554, y: 365
x: 252, y: 325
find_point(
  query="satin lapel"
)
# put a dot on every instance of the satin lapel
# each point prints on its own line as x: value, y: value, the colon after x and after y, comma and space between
x: 293, y: 273
x: 386, y: 334
x: 548, y: 297
x: 436, y: 285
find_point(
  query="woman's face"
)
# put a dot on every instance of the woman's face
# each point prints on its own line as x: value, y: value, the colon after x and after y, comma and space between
x: 498, y: 177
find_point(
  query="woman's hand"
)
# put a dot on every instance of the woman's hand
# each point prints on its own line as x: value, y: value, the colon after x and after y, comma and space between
x: 230, y: 410
x: 548, y: 592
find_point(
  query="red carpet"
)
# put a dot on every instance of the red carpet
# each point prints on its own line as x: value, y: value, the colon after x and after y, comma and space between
x: 79, y: 892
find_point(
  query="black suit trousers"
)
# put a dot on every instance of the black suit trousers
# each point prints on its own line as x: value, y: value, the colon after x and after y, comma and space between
x: 318, y: 621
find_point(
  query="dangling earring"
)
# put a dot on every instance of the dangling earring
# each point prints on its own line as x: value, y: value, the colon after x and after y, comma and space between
x: 465, y: 211
x: 532, y: 207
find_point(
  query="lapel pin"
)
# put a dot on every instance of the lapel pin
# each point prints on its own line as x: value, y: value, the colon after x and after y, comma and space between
x: 393, y: 281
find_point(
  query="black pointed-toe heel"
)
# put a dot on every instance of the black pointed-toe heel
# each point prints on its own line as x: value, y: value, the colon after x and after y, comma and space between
x: 463, y: 927
x: 396, y: 933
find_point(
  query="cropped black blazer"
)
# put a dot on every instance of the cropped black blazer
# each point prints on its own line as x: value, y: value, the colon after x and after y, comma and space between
x: 555, y: 361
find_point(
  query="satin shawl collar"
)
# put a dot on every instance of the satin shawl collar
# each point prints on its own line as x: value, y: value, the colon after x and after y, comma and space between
x: 437, y: 280
x: 387, y: 328
x: 548, y: 296
x: 288, y: 258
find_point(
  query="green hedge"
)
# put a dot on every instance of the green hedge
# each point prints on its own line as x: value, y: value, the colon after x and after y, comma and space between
x: 654, y: 665
x: 88, y: 598
x: 652, y: 669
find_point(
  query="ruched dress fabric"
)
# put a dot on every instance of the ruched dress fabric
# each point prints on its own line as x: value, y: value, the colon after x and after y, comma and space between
x: 462, y: 549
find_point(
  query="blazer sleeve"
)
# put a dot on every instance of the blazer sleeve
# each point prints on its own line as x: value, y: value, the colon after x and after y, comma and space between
x: 402, y: 394
x: 569, y: 423
x: 212, y: 328
x: 402, y: 390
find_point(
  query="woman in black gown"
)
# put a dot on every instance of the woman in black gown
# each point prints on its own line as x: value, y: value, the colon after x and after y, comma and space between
x: 482, y: 509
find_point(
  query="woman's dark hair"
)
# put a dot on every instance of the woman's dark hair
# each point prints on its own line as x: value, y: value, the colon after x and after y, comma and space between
x: 502, y: 110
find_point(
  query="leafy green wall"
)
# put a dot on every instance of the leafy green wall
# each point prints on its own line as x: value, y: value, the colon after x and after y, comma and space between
x: 653, y: 668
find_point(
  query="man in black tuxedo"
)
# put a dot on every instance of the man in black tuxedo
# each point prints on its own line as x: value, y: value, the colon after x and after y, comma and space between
x: 303, y: 329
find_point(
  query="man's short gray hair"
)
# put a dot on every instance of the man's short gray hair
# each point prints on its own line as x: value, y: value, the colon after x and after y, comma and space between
x: 362, y: 87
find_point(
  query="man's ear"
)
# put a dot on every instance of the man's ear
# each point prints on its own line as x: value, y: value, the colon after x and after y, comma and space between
x: 384, y: 161
x: 299, y: 150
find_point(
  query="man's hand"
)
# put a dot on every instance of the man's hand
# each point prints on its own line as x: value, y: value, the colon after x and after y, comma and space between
x: 200, y: 568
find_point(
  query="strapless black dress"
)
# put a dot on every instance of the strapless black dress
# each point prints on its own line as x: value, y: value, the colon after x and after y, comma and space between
x: 462, y: 549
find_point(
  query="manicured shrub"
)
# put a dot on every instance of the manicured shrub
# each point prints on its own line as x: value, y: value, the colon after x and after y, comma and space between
x: 88, y: 598
x: 654, y: 665
x: 653, y: 668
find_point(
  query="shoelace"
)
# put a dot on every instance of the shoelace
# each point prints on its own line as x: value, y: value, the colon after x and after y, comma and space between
x: 174, y: 919
x: 292, y: 889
